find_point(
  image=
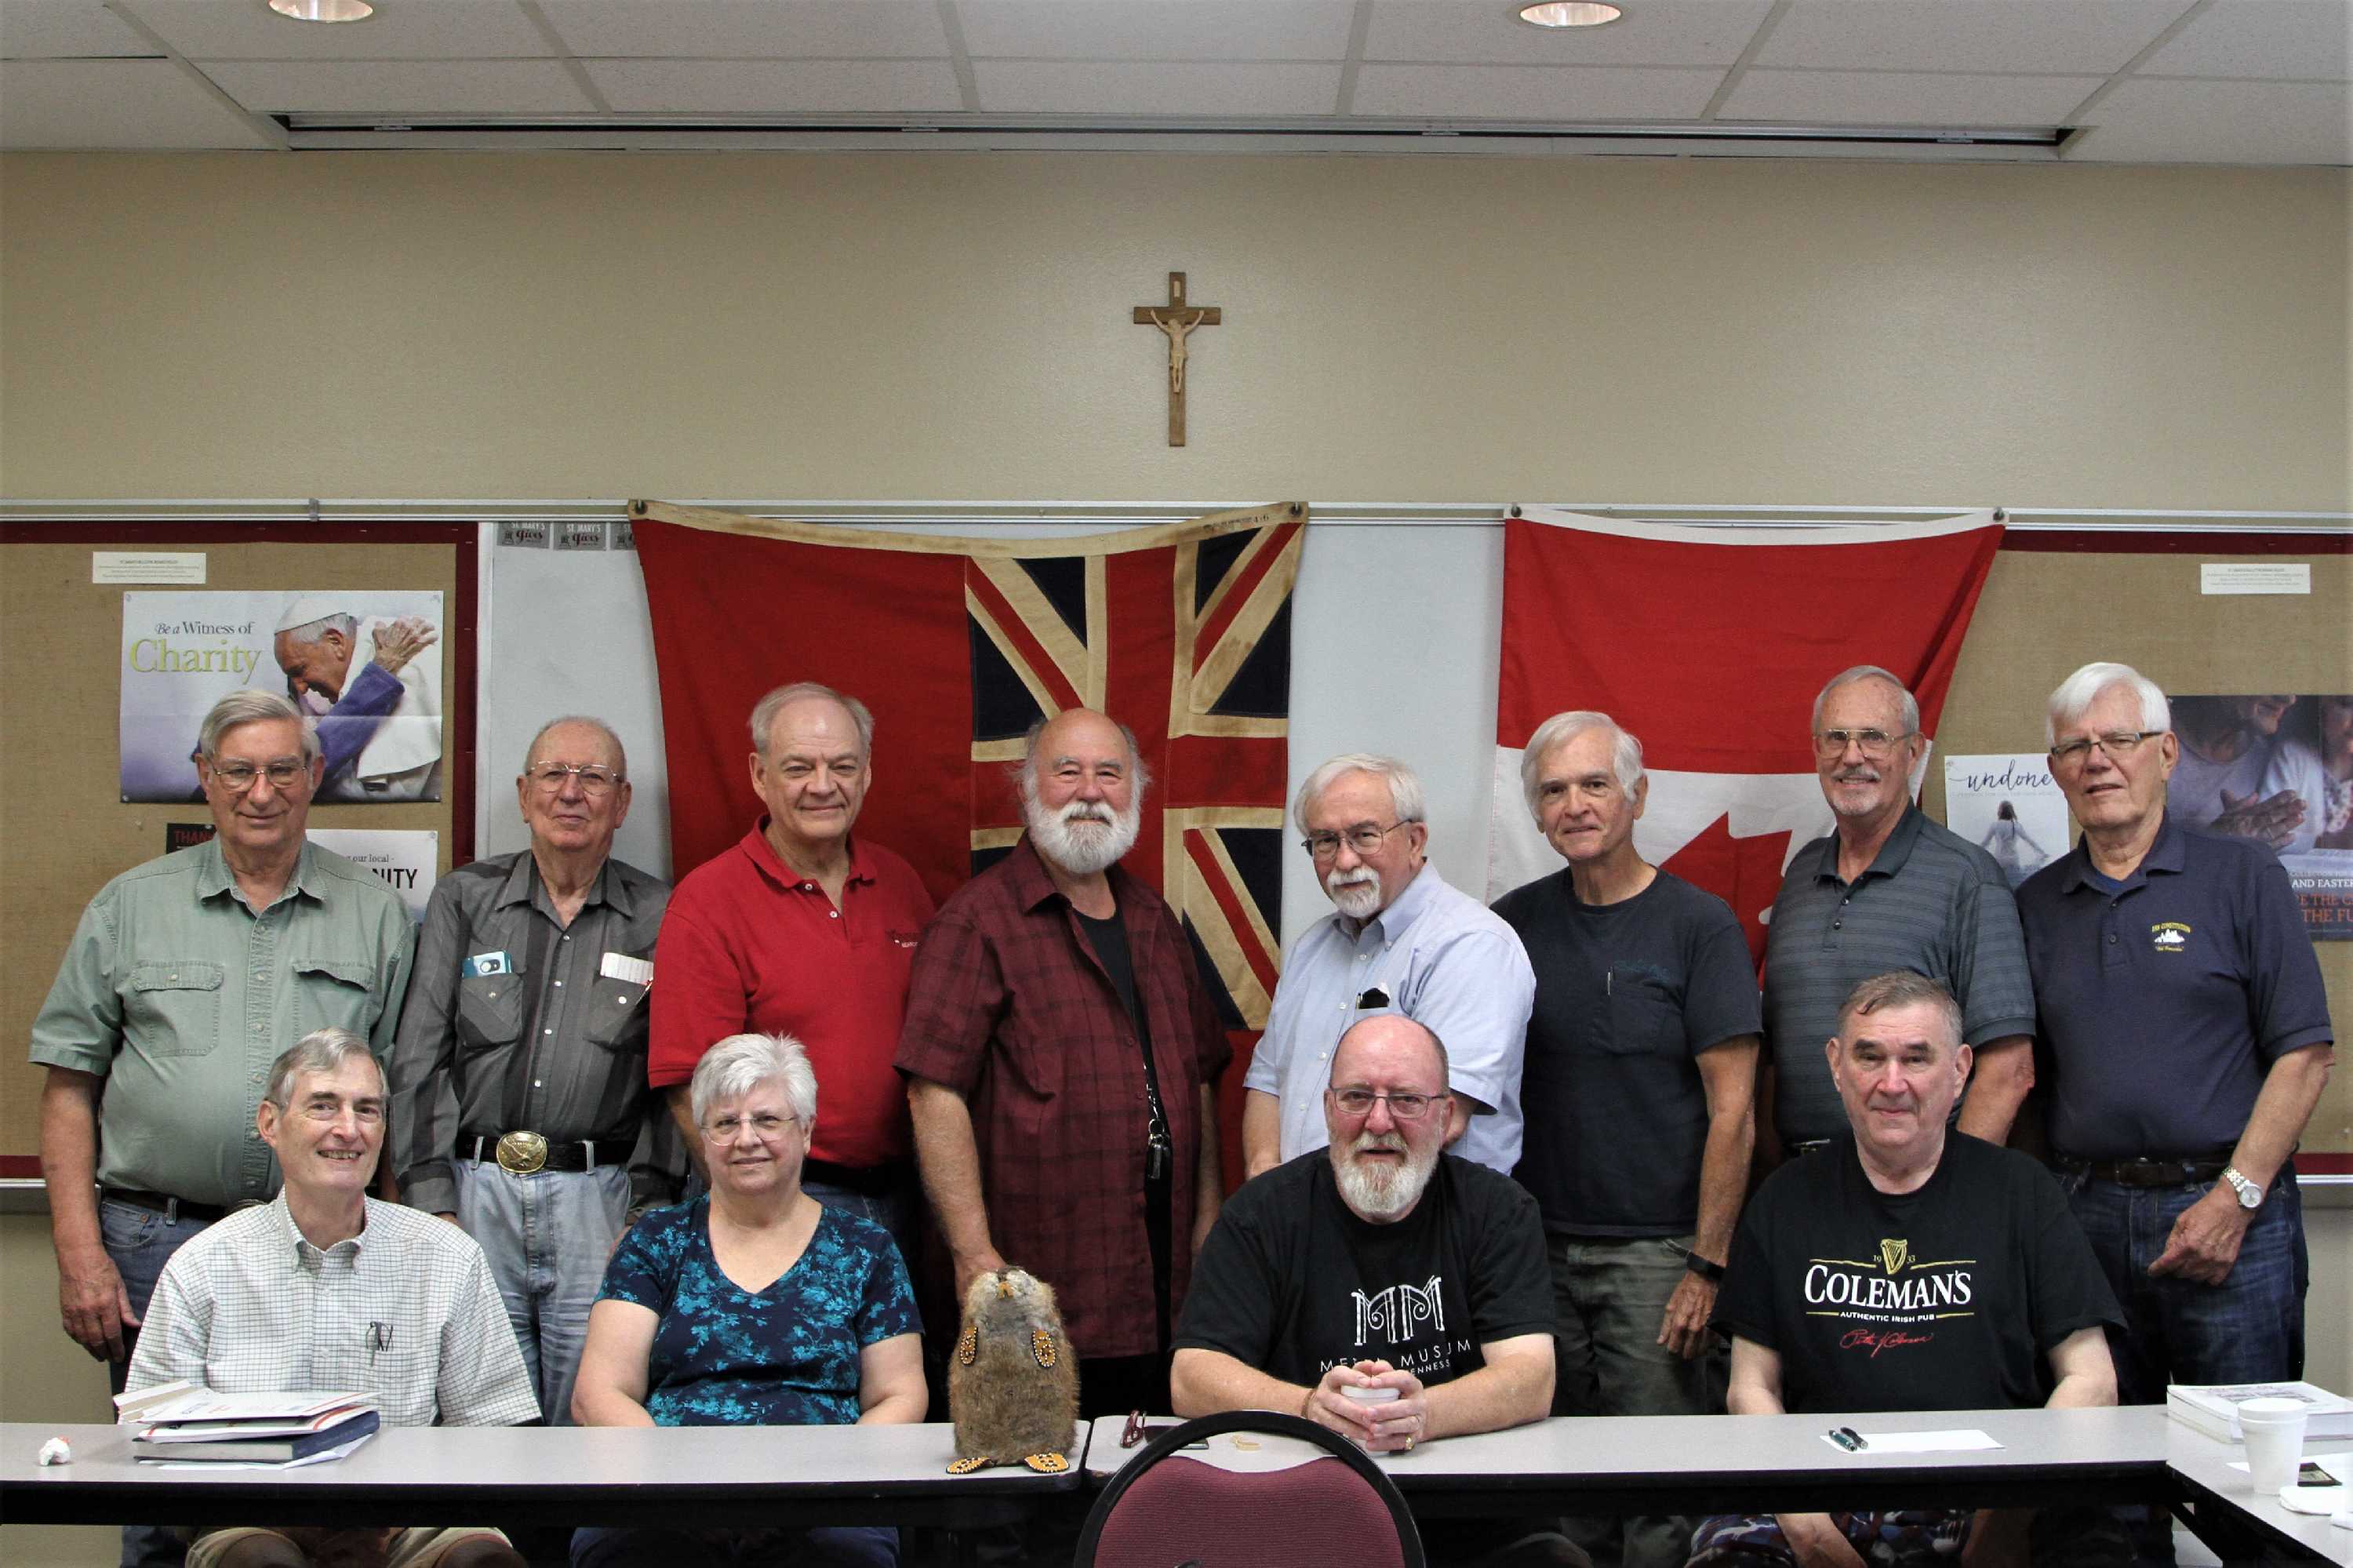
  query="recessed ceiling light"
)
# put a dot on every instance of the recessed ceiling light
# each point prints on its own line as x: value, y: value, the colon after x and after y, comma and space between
x: 323, y: 10
x: 1555, y: 13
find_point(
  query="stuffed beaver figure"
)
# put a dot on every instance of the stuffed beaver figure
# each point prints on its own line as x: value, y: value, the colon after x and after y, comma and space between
x: 1013, y: 1385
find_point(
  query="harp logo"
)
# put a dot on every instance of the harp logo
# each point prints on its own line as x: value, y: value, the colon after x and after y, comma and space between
x: 1892, y: 1255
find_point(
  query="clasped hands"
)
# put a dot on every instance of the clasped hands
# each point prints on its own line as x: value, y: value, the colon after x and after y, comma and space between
x: 1391, y: 1426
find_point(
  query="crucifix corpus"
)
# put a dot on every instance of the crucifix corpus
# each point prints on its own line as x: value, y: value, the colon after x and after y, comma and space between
x: 1177, y: 318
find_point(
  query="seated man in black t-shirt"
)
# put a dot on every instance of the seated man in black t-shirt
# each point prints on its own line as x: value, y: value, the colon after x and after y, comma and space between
x: 1381, y: 1263
x: 1911, y: 1268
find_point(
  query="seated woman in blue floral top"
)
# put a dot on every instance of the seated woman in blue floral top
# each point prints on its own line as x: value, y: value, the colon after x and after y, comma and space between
x: 752, y: 1306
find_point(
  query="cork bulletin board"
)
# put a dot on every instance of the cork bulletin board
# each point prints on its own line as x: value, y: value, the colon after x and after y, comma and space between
x: 2055, y: 601
x: 64, y: 831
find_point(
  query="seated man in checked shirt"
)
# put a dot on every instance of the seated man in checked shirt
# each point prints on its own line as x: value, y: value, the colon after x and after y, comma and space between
x: 326, y: 1288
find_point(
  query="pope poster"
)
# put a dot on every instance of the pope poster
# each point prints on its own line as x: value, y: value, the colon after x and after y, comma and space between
x: 364, y: 668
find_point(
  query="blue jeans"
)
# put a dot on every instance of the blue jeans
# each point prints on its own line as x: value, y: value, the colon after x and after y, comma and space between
x: 2249, y: 1329
x: 1610, y: 1296
x: 140, y: 1242
x: 839, y: 1546
x: 548, y: 1236
x: 894, y: 1210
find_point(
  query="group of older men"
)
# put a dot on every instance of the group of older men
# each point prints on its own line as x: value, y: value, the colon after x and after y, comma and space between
x: 1498, y: 1160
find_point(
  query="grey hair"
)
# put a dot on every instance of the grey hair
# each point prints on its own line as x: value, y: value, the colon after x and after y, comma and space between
x: 1910, y: 705
x: 765, y: 711
x: 742, y: 1062
x: 1625, y: 751
x: 2079, y: 691
x: 252, y: 706
x: 1445, y: 1067
x: 310, y: 631
x: 1024, y: 776
x: 620, y: 752
x: 1405, y: 789
x: 1901, y: 988
x: 321, y: 1051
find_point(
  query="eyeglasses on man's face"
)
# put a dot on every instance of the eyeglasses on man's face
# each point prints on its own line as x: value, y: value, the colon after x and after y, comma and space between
x: 284, y: 773
x: 2118, y: 744
x: 1875, y: 744
x: 548, y: 778
x: 1364, y: 838
x: 1404, y: 1108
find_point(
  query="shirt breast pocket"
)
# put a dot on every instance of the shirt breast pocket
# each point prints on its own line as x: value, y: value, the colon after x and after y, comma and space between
x: 1643, y: 1018
x: 173, y: 1009
x: 333, y: 993
x: 489, y: 1010
x: 617, y: 1017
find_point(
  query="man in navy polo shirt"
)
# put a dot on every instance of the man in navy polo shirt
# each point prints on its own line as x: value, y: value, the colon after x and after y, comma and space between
x: 2189, y: 1039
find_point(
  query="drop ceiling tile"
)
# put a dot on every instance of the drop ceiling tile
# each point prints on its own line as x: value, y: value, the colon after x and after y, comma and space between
x: 776, y: 87
x: 1904, y: 98
x: 396, y: 89
x: 1483, y: 32
x: 750, y: 29
x: 113, y: 103
x: 400, y: 30
x: 1054, y: 87
x: 58, y: 29
x: 2090, y: 36
x: 1533, y: 92
x: 2307, y: 38
x: 2169, y: 121
x: 1125, y: 30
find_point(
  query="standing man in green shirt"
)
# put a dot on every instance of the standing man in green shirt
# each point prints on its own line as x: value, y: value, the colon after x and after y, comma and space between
x: 185, y: 979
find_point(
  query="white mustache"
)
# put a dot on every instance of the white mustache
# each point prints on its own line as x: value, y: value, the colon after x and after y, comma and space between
x: 1362, y: 876
x: 1371, y: 1140
x: 1082, y: 811
x: 1859, y: 775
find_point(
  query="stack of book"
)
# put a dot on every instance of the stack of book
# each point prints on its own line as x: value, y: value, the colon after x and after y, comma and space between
x: 2213, y: 1408
x: 180, y: 1423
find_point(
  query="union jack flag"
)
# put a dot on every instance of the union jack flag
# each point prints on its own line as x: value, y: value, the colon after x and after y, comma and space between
x: 1181, y: 632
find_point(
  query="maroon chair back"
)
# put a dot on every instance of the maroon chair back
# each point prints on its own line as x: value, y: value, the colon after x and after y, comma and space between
x: 1166, y: 1508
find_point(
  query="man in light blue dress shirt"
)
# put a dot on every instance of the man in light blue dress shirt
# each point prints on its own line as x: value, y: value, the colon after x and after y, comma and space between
x: 1399, y: 941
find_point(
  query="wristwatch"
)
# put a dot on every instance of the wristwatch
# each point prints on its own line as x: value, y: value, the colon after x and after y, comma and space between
x: 1710, y: 1272
x: 2250, y: 1195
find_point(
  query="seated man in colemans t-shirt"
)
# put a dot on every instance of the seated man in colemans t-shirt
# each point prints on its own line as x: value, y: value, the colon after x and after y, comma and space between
x: 1906, y: 1268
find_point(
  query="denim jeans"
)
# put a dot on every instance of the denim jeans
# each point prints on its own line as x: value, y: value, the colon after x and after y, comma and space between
x: 547, y: 1236
x: 2249, y: 1329
x: 894, y: 1210
x: 140, y: 1242
x: 1609, y: 1295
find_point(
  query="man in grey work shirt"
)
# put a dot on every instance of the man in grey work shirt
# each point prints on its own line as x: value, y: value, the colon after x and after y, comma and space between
x: 183, y: 980
x: 1888, y: 890
x: 1401, y: 940
x: 520, y: 1106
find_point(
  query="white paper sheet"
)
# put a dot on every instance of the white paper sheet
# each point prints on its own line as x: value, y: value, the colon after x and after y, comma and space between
x: 1957, y: 1440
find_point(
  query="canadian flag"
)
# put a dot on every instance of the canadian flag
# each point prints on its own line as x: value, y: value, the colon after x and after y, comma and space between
x: 1708, y: 645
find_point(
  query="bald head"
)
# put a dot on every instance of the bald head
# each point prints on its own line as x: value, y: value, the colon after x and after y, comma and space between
x: 1396, y: 1044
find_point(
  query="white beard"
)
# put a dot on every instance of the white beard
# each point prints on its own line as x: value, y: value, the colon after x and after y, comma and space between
x: 1379, y: 1192
x: 1083, y: 838
x: 1358, y: 900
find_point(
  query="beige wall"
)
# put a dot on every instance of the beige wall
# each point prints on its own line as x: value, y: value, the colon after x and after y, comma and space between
x: 957, y: 328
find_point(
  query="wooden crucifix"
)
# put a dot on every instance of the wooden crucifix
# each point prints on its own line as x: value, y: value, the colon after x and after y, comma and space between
x: 1177, y: 318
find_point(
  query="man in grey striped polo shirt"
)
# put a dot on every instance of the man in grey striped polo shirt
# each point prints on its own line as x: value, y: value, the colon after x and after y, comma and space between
x: 1889, y: 889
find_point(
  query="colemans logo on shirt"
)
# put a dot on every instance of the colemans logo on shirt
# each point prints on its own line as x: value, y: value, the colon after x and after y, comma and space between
x: 1893, y: 1288
x: 2169, y: 936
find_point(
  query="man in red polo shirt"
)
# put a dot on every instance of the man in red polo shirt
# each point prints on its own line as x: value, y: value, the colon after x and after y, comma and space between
x: 802, y: 929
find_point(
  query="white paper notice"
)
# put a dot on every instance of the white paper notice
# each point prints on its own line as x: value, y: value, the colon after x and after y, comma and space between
x: 145, y: 566
x: 2254, y: 577
x: 1957, y: 1440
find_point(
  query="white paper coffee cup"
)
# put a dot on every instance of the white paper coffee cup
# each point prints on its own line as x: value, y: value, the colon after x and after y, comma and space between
x: 2274, y: 1432
x: 1370, y: 1395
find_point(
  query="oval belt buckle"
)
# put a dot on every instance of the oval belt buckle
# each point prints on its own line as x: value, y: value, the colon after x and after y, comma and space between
x: 522, y: 1153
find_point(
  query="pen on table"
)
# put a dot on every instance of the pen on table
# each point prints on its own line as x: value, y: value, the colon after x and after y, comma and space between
x: 1848, y: 1438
